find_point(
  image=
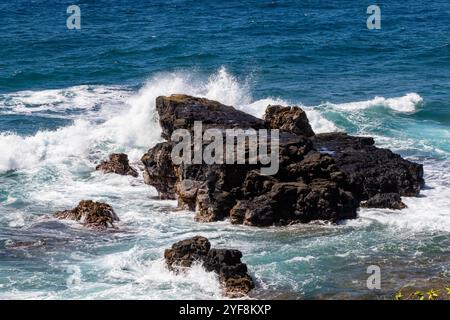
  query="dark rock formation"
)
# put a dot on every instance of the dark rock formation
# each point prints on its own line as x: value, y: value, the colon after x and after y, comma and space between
x: 385, y: 200
x: 226, y: 263
x: 159, y: 170
x: 290, y: 119
x: 232, y: 272
x: 179, y: 111
x: 184, y: 253
x: 96, y: 215
x: 289, y: 202
x: 371, y: 170
x: 320, y: 177
x: 117, y: 163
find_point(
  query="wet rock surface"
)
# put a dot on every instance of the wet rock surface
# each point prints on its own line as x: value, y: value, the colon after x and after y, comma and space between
x: 320, y: 177
x: 159, y: 170
x: 184, y: 253
x: 290, y: 119
x: 371, y: 170
x: 233, y: 276
x: 179, y: 111
x: 385, y: 200
x: 118, y: 163
x: 91, y: 214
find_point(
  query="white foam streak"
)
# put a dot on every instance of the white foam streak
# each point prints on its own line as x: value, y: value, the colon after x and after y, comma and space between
x: 152, y: 279
x: 318, y: 122
x: 60, y: 100
x: 227, y: 89
x: 405, y: 104
x: 429, y: 212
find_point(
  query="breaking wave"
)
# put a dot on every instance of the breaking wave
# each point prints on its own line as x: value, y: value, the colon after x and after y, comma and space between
x: 406, y: 104
x: 123, y: 122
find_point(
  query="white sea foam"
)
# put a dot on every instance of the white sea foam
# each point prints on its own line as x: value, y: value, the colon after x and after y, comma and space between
x: 318, y: 122
x: 128, y: 123
x: 60, y: 100
x: 406, y: 104
x: 430, y: 212
x: 152, y: 279
x: 300, y: 259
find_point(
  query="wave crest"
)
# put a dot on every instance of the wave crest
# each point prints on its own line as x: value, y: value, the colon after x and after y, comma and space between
x: 406, y: 104
x: 120, y: 121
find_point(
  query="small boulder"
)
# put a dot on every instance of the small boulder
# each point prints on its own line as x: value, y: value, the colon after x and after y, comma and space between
x: 289, y: 119
x: 118, y: 163
x: 232, y: 272
x: 237, y: 213
x: 233, y: 276
x: 385, y: 200
x: 184, y: 253
x: 96, y: 215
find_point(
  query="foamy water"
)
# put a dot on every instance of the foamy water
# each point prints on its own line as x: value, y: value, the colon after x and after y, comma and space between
x: 407, y: 103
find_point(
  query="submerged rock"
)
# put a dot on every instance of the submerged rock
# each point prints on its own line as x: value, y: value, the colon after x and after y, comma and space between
x: 320, y: 177
x: 226, y: 263
x: 117, y: 163
x: 385, y: 200
x: 96, y: 215
x: 15, y: 244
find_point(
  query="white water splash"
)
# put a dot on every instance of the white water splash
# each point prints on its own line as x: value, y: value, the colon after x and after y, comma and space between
x: 61, y: 100
x: 124, y: 122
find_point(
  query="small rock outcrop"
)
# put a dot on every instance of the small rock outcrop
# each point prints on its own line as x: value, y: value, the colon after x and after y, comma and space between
x: 290, y: 119
x: 118, y: 163
x: 320, y: 177
x: 385, y: 200
x: 179, y: 111
x: 370, y: 170
x: 226, y: 263
x: 96, y: 215
x: 184, y: 253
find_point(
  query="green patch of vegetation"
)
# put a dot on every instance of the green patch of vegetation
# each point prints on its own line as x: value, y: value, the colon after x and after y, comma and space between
x: 432, y: 294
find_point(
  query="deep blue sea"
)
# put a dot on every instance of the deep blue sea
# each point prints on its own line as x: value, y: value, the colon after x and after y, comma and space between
x: 68, y: 98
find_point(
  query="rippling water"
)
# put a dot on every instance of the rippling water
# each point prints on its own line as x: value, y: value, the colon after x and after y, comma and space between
x: 69, y: 98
